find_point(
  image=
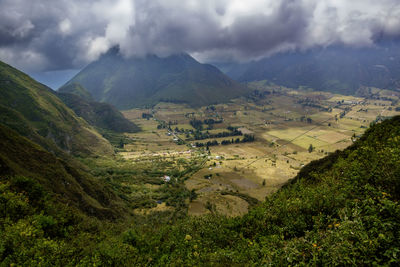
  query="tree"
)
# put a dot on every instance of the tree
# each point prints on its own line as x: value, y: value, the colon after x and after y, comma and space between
x: 310, y: 148
x: 121, y: 143
x: 192, y: 195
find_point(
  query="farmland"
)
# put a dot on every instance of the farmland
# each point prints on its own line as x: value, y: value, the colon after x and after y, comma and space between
x: 290, y: 129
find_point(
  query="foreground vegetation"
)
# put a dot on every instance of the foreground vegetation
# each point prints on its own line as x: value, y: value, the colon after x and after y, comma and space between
x: 340, y: 210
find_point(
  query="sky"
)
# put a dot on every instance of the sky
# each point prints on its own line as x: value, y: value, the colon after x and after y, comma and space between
x: 42, y: 36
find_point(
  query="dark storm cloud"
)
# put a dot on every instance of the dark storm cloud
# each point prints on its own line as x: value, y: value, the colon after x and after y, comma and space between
x: 202, y: 30
x: 258, y: 34
x: 48, y: 34
x: 199, y: 31
x: 32, y: 36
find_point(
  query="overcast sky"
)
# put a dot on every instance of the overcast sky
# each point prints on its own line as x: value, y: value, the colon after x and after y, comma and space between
x: 45, y: 35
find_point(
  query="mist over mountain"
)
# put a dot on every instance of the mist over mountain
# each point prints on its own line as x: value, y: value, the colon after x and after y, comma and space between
x: 335, y: 69
x: 134, y: 82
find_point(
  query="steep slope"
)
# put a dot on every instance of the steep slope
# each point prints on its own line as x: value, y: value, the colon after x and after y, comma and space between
x: 34, y: 111
x: 64, y: 179
x: 135, y: 82
x: 101, y: 115
x: 340, y: 70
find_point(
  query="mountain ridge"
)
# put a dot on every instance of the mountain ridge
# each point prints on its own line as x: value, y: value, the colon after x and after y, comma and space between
x: 34, y: 111
x: 335, y: 69
x: 137, y: 82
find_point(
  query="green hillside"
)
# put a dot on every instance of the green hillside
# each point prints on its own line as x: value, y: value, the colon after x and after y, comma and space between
x: 100, y: 115
x: 34, y: 111
x: 138, y: 82
x: 64, y: 178
x: 340, y: 210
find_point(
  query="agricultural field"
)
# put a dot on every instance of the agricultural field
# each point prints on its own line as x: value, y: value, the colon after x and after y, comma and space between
x: 252, y: 146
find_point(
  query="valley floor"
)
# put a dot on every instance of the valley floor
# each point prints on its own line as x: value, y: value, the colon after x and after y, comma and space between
x: 291, y: 128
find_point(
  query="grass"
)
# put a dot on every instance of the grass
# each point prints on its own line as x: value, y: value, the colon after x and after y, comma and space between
x: 33, y: 110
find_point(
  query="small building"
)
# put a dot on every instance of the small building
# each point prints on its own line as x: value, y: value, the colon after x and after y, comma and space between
x: 166, y: 178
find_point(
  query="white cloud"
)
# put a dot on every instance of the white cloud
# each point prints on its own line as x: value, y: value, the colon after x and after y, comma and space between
x: 65, y: 26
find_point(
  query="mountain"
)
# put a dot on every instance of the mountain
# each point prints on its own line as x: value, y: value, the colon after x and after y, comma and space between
x: 34, y: 111
x: 100, y: 115
x: 336, y: 69
x: 135, y: 82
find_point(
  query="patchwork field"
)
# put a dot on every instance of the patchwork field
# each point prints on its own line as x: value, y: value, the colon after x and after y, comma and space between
x: 290, y: 129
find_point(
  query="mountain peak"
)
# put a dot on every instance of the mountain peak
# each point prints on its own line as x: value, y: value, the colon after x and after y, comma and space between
x: 135, y: 82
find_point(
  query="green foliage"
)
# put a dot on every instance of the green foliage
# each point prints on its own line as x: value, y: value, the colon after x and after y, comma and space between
x: 129, y: 179
x: 63, y: 177
x: 118, y: 140
x: 197, y: 124
x: 36, y: 230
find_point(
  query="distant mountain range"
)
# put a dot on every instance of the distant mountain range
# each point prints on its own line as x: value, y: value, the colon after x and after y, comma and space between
x: 138, y: 82
x: 335, y: 69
